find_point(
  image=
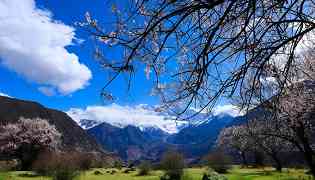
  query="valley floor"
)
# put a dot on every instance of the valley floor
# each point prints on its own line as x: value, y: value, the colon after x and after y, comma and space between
x: 195, y: 174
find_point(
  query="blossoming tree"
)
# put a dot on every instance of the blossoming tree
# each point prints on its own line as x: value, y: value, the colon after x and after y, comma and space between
x: 27, y: 136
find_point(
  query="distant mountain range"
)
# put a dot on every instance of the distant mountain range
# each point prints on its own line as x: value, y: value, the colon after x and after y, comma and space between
x: 129, y: 142
x: 136, y: 143
x: 142, y: 116
x: 197, y: 140
x: 194, y: 138
x: 194, y: 120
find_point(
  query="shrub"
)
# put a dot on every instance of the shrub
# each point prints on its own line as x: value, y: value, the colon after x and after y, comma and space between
x: 205, y: 177
x: 173, y: 164
x: 100, y: 161
x: 130, y: 164
x: 212, y: 175
x: 218, y: 161
x: 48, y: 161
x: 8, y: 165
x: 61, y: 166
x: 118, y: 165
x: 65, y: 166
x: 65, y: 173
x: 97, y: 172
x: 126, y: 171
x: 84, y: 161
x: 44, y: 163
x: 144, y: 168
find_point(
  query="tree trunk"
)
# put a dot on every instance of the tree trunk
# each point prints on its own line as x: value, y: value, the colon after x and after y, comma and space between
x: 259, y: 158
x: 244, y: 161
x: 307, y: 150
x: 309, y: 158
x: 278, y: 164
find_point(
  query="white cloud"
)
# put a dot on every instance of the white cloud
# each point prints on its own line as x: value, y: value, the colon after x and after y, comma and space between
x: 304, y: 45
x: 48, y: 91
x: 4, y: 94
x: 227, y: 109
x: 126, y: 115
x: 33, y: 45
x: 142, y: 116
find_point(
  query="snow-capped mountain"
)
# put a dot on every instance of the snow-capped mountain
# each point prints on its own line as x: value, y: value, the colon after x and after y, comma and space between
x: 143, y: 116
x: 144, y: 131
x: 136, y: 143
x: 87, y: 123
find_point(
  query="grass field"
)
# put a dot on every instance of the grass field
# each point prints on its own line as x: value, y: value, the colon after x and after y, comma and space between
x: 195, y: 174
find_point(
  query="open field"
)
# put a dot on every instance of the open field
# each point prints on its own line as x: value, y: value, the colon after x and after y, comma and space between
x: 194, y: 173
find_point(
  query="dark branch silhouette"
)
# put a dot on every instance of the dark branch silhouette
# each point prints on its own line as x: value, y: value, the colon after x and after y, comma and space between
x: 197, y: 51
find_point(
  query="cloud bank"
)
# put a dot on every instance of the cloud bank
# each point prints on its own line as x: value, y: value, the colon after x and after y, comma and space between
x: 126, y: 115
x: 228, y: 109
x: 33, y: 45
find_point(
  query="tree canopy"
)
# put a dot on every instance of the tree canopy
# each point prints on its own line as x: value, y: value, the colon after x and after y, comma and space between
x: 196, y: 51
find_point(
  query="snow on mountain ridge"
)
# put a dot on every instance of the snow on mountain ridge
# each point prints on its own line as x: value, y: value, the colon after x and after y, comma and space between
x: 142, y: 116
x: 122, y: 116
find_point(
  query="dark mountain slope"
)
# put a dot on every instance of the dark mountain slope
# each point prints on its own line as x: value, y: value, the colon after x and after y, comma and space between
x: 73, y: 136
x: 196, y: 134
x: 129, y: 142
x: 197, y: 140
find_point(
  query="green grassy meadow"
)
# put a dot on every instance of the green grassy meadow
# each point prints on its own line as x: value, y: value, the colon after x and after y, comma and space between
x: 195, y: 174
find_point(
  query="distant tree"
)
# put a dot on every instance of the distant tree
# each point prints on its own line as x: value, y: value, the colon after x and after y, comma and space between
x: 173, y: 164
x: 218, y: 161
x: 286, y: 116
x: 259, y: 130
x: 118, y: 164
x: 59, y: 165
x: 235, y: 139
x: 294, y: 119
x: 25, y: 138
x: 204, y: 48
x: 144, y: 168
x: 251, y: 138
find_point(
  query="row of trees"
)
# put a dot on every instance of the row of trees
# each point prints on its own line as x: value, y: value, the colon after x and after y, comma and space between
x: 283, y: 125
x: 280, y: 110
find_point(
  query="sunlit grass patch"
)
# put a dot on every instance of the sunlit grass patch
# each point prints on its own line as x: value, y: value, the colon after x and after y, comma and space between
x: 266, y: 174
x: 236, y: 173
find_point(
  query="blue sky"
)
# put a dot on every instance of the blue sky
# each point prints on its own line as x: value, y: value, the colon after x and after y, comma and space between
x: 45, y: 57
x: 68, y: 12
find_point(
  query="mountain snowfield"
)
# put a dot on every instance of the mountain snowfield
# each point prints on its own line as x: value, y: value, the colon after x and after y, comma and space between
x: 144, y: 117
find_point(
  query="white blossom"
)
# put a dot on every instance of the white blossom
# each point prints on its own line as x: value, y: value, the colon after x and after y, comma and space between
x: 36, y: 131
